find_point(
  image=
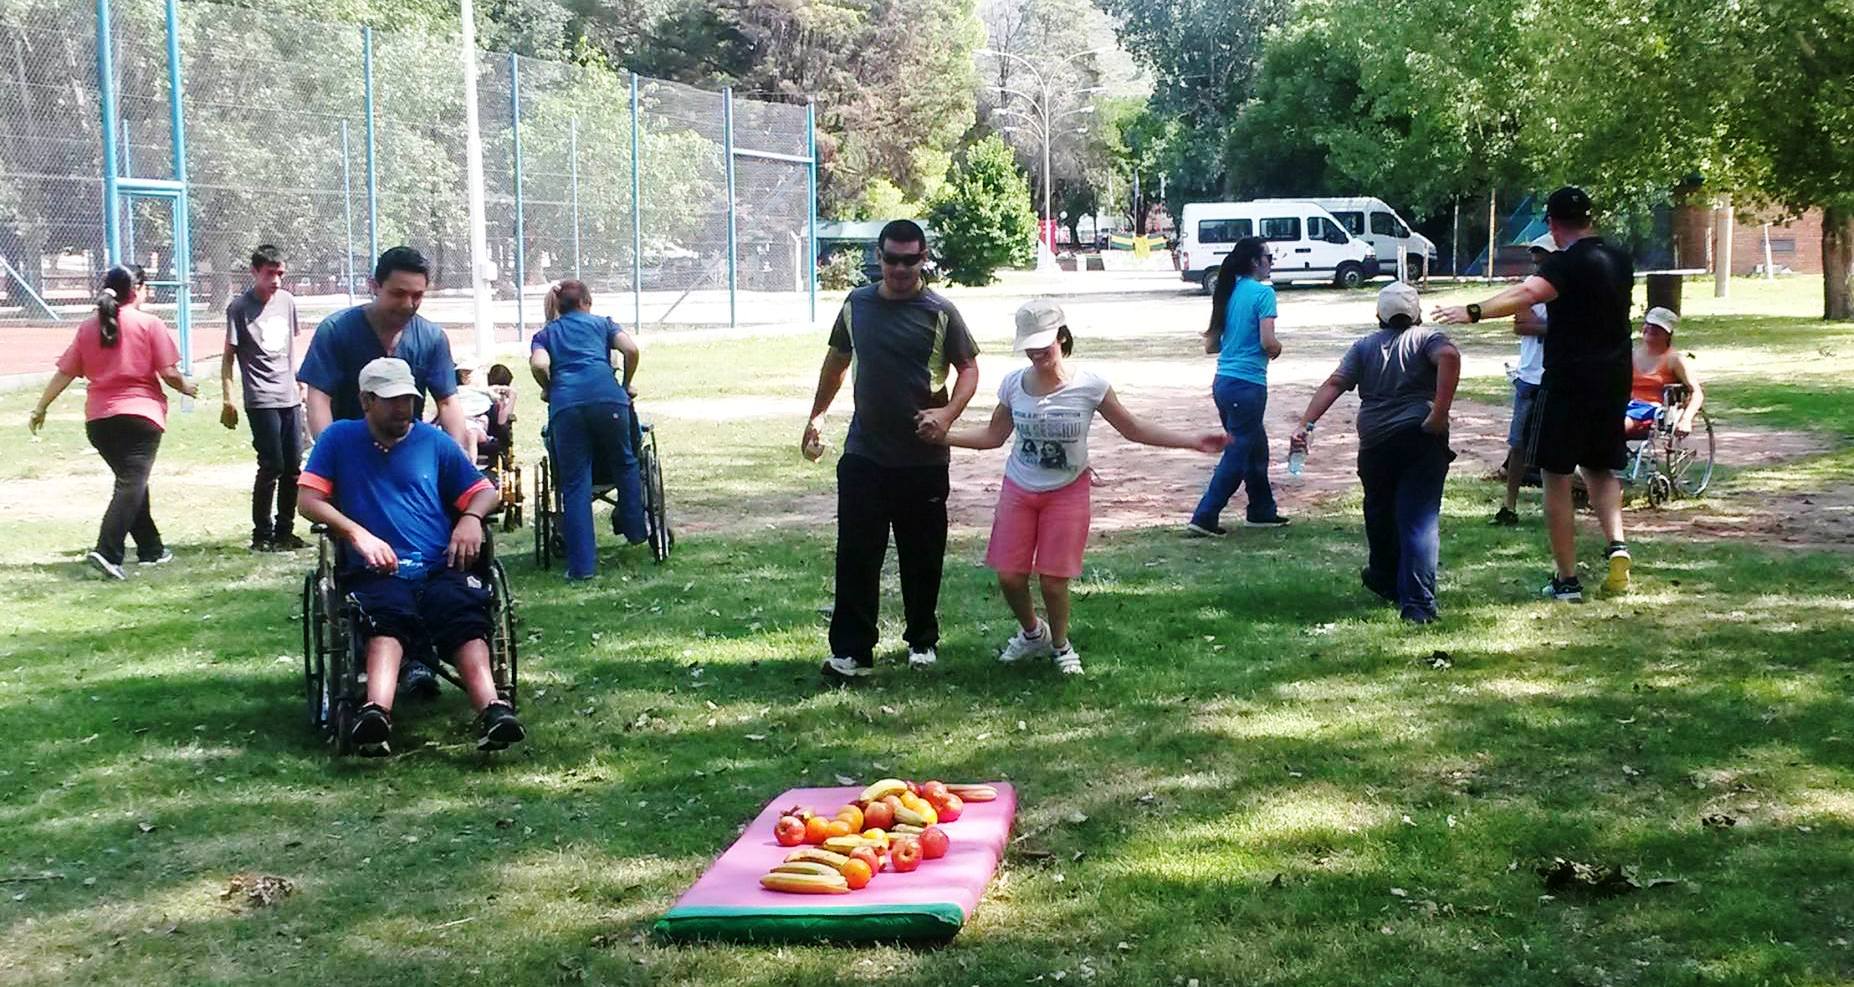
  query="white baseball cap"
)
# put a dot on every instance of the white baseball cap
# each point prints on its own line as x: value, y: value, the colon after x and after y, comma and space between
x: 1037, y: 324
x: 1399, y: 298
x: 1545, y: 243
x: 1663, y: 317
x: 388, y: 377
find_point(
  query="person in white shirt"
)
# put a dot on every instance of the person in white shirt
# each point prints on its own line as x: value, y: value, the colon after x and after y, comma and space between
x: 1529, y: 326
x: 1041, y: 525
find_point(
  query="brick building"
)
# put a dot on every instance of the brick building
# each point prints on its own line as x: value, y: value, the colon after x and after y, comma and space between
x: 1795, y: 245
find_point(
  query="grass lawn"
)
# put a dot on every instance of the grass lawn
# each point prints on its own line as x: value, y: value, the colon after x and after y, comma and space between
x: 1280, y: 783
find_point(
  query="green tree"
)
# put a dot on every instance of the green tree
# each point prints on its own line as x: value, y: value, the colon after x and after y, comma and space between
x: 983, y: 221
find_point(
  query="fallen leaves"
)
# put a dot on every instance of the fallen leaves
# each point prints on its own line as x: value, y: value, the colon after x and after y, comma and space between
x: 1595, y: 880
x: 258, y: 890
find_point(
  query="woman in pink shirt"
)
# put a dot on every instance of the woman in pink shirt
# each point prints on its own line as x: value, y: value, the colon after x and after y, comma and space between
x: 125, y: 354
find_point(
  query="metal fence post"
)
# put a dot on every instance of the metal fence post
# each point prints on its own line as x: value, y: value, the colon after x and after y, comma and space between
x: 811, y: 204
x: 637, y: 220
x: 347, y: 214
x: 183, y: 232
x: 727, y: 146
x: 573, y: 173
x: 373, y: 171
x: 106, y: 97
x: 521, y: 254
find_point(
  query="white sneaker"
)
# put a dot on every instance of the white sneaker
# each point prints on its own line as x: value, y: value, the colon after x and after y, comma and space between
x: 839, y: 667
x: 1020, y: 647
x: 1067, y: 661
x: 105, y: 566
x: 925, y: 658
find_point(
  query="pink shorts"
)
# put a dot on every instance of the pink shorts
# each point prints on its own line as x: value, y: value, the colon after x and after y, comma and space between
x: 1042, y: 533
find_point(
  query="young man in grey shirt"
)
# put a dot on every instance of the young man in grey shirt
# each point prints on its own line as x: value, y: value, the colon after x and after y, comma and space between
x: 260, y: 337
x: 1406, y: 378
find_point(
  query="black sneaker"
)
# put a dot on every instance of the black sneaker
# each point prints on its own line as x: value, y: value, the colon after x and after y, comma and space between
x: 1267, y: 522
x: 1386, y: 593
x: 372, y: 731
x: 261, y: 543
x: 1195, y: 530
x: 837, y: 668
x: 287, y: 542
x: 1505, y: 517
x: 1564, y: 590
x: 418, y: 681
x: 497, y: 727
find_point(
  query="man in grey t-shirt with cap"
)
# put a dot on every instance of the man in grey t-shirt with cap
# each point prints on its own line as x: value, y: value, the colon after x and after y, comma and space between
x: 260, y: 337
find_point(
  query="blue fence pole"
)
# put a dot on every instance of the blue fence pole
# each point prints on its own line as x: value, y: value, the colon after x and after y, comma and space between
x: 347, y: 214
x: 183, y: 226
x: 573, y: 176
x: 521, y: 246
x: 811, y: 204
x: 373, y: 172
x: 106, y: 97
x: 727, y: 148
x: 637, y: 219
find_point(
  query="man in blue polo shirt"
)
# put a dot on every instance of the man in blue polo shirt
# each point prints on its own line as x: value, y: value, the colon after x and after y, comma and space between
x: 387, y: 326
x: 383, y: 485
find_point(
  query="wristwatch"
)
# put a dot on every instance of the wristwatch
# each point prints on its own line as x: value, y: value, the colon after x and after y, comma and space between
x: 1474, y: 312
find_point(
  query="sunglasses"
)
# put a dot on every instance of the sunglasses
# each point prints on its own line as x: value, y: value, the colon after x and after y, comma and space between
x: 902, y: 260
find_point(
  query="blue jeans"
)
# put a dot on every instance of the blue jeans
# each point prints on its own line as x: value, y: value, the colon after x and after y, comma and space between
x: 591, y: 444
x: 1403, y: 478
x: 1245, y: 460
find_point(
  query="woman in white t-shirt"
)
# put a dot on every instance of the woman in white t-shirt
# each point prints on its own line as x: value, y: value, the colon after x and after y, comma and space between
x: 1043, y: 509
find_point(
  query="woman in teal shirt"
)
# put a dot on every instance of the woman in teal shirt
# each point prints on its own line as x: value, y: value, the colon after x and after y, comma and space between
x: 1242, y: 335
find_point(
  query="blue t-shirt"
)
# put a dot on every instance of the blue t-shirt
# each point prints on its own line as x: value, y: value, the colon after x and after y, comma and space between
x: 402, y: 496
x: 579, y: 346
x: 344, y: 343
x: 1241, y: 357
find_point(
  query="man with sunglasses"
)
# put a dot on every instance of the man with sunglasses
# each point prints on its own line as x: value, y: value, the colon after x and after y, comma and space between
x: 903, y: 339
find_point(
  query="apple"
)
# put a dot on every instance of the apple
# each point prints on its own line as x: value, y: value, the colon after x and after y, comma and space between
x: 934, y: 843
x: 879, y: 815
x: 868, y: 855
x: 952, y: 808
x: 934, y: 791
x: 789, y: 831
x: 904, y: 856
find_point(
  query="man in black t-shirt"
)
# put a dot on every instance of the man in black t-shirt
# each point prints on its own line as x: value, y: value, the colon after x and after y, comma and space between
x: 903, y: 339
x: 1586, y: 287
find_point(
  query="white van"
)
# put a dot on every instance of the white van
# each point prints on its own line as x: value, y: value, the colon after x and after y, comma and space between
x: 1305, y: 242
x: 1374, y: 221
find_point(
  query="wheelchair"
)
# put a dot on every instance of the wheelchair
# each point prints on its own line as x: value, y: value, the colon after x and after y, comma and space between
x: 549, y: 543
x: 334, y: 656
x: 495, y: 456
x: 1664, y: 465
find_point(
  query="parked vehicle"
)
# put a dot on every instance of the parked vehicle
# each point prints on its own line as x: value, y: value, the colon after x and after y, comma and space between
x: 1374, y: 221
x: 1304, y: 240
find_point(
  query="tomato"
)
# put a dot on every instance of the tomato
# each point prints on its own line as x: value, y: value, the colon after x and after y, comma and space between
x: 816, y: 829
x: 879, y: 815
x: 856, y: 874
x: 837, y: 827
x: 934, y: 843
x: 789, y: 831
x: 905, y: 856
x: 852, y: 815
x: 868, y: 855
x: 952, y: 808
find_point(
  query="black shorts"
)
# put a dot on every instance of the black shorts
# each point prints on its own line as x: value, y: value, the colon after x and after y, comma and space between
x: 1579, y: 426
x: 446, y: 609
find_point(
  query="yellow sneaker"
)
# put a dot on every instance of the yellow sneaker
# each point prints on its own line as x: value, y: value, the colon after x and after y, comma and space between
x: 1618, y: 579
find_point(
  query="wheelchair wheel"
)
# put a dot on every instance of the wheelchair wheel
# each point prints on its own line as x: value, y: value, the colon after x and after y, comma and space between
x: 656, y: 507
x: 1687, y: 462
x: 343, y: 675
x: 315, y: 661
x: 511, y: 500
x: 503, y: 661
x: 543, y: 514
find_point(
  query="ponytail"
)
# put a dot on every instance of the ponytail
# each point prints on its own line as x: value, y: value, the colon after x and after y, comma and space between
x: 118, y: 288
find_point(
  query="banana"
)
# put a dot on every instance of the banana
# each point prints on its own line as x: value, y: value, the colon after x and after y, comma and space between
x: 805, y: 883
x: 845, y: 844
x: 817, y: 855
x: 908, y: 816
x: 974, y: 793
x: 884, y: 788
x: 907, y: 828
x: 806, y: 867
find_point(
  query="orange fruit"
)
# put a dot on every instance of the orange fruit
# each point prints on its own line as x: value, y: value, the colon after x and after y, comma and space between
x: 837, y: 827
x: 817, y: 828
x: 856, y: 874
x: 852, y: 815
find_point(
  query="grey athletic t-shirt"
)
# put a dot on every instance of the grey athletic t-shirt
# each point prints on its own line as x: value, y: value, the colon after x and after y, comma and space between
x: 904, y: 350
x: 1395, y: 373
x: 263, y: 334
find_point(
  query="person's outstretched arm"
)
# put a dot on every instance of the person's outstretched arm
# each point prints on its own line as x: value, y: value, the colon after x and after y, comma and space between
x: 1137, y: 429
x: 990, y: 435
x: 1532, y: 291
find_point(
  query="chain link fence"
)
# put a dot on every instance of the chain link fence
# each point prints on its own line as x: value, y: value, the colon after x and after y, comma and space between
x: 333, y: 142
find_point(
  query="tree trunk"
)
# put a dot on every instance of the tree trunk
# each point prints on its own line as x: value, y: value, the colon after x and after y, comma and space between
x: 1837, y: 263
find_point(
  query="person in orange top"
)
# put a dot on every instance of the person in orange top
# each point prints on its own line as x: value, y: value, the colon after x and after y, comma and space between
x: 1656, y: 366
x: 126, y: 354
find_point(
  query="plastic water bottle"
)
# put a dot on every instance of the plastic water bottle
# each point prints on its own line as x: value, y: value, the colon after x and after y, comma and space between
x: 1297, y: 454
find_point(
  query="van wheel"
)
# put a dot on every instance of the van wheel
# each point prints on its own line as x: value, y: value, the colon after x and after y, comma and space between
x: 1210, y: 281
x: 1349, y: 275
x: 1419, y: 268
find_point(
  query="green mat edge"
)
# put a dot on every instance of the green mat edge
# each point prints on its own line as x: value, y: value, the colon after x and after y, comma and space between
x: 802, y: 924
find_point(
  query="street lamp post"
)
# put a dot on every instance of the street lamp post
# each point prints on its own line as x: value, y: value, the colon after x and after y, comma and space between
x: 1040, y: 102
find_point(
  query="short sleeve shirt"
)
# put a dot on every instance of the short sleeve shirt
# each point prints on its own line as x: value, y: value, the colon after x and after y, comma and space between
x: 1049, y: 444
x: 1240, y: 355
x: 125, y: 379
x: 903, y: 350
x: 1395, y: 373
x: 344, y: 343
x: 262, y: 334
x: 403, y: 495
x: 1588, y: 346
x: 579, y: 352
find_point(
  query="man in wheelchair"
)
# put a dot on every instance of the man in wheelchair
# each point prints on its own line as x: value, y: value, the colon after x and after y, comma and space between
x: 1658, y: 367
x: 385, y: 486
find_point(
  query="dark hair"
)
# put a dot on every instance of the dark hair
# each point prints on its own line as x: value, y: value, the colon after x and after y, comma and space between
x: 405, y: 259
x: 140, y: 273
x: 118, y: 284
x: 266, y: 255
x: 902, y: 231
x: 571, y: 296
x: 1241, y: 262
x: 1398, y: 323
x: 1066, y: 338
x: 500, y: 375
